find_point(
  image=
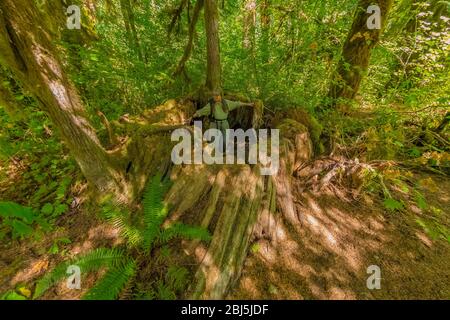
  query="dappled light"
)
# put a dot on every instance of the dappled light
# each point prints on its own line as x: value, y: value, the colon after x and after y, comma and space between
x: 224, y: 150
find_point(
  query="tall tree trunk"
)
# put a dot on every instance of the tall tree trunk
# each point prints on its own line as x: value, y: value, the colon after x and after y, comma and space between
x: 188, y: 50
x: 264, y: 48
x: 28, y: 51
x: 265, y: 29
x: 130, y: 26
x: 357, y: 49
x: 249, y: 24
x: 214, y: 71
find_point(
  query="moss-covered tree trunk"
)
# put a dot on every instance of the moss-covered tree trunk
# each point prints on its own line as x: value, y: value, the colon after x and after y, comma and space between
x: 190, y: 44
x: 357, y: 49
x: 214, y: 69
x: 264, y: 49
x: 28, y: 50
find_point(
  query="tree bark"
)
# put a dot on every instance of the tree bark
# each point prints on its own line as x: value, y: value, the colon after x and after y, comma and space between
x: 28, y: 51
x: 356, y: 51
x: 214, y: 71
x: 264, y: 47
x: 249, y: 24
x: 188, y: 50
x: 265, y: 29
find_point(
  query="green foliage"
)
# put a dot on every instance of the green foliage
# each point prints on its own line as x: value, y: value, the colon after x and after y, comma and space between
x: 392, y: 204
x: 163, y: 292
x: 411, y: 66
x: 180, y: 230
x: 19, y: 221
x: 286, y: 60
x: 434, y: 228
x: 42, y: 171
x: 121, y: 219
x: 55, y: 248
x: 174, y: 282
x: 155, y: 210
x: 113, y: 282
x: 92, y: 261
x: 420, y: 200
x: 12, y: 295
x: 282, y: 64
x: 176, y: 278
x: 255, y: 248
x: 120, y: 267
x: 147, y: 231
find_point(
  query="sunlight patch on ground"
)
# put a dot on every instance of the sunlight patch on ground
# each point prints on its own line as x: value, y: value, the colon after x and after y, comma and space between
x: 35, y: 268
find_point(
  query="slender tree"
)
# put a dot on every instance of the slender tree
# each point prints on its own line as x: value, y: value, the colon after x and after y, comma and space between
x: 264, y: 49
x: 214, y: 71
x: 190, y: 44
x: 249, y: 23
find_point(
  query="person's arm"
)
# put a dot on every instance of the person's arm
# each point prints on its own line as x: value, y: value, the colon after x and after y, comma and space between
x: 205, y: 111
x: 237, y: 104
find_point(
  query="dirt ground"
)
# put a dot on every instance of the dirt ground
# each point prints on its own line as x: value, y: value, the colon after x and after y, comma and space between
x: 327, y: 254
x: 24, y: 262
x: 324, y: 256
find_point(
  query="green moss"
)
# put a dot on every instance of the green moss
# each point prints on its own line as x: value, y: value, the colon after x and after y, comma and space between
x: 310, y: 122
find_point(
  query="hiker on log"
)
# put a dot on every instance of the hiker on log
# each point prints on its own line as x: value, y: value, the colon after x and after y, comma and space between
x: 218, y: 110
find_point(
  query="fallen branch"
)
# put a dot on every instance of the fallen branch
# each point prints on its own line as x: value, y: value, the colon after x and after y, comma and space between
x: 112, y: 137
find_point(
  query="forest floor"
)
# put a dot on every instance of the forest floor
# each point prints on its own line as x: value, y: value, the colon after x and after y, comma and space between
x: 327, y: 254
x: 324, y: 255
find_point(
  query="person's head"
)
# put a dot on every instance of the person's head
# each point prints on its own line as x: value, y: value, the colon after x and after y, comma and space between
x: 217, y: 98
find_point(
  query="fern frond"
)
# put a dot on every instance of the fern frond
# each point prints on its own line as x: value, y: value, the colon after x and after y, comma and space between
x: 118, y: 219
x: 93, y: 260
x: 164, y: 292
x: 50, y: 279
x: 99, y: 258
x: 155, y: 210
x: 113, y: 282
x: 10, y: 209
x: 177, y: 277
x: 180, y: 230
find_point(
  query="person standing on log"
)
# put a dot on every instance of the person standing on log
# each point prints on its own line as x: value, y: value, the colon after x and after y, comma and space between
x: 218, y: 110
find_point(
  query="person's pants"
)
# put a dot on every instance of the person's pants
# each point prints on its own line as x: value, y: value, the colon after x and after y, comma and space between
x: 222, y: 126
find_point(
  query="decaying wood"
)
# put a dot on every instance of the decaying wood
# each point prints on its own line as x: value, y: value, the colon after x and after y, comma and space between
x: 234, y: 202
